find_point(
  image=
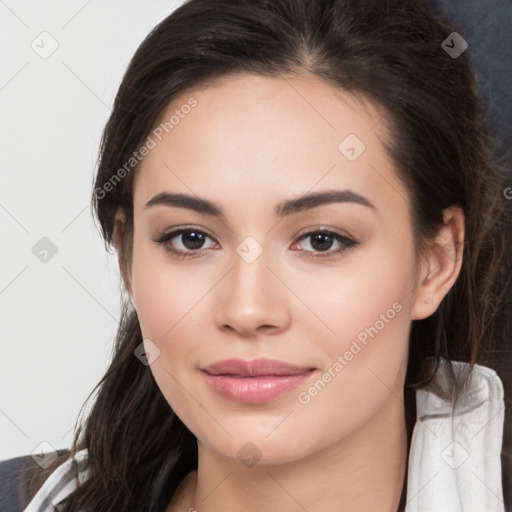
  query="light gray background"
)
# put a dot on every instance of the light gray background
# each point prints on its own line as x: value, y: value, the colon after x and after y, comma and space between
x: 57, y: 318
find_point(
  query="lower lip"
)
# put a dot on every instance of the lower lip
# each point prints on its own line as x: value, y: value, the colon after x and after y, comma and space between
x: 255, y: 390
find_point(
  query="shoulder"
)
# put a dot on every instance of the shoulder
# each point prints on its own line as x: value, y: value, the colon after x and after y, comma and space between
x: 24, y: 483
x: 13, y: 490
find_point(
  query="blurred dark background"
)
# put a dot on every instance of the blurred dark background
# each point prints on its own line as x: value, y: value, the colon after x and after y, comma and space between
x: 487, y: 27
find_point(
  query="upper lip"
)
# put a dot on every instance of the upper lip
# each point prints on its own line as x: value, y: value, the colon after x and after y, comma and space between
x: 255, y: 367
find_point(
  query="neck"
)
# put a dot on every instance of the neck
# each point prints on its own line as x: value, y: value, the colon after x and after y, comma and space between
x: 364, y: 471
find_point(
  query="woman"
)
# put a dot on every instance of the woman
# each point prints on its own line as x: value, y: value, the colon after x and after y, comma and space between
x: 310, y: 231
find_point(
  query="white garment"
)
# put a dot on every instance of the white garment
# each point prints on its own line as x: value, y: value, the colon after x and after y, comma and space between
x: 454, y: 460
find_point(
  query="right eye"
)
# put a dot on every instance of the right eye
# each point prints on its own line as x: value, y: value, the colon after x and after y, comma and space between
x: 191, y: 240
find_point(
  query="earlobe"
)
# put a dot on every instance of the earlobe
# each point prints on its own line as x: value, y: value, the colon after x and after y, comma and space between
x: 441, y: 264
x: 118, y: 236
x: 118, y: 230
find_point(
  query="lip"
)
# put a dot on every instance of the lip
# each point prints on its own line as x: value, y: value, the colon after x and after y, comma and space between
x: 256, y: 381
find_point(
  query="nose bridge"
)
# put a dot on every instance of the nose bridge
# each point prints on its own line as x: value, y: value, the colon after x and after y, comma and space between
x: 250, y: 274
x: 251, y: 296
x: 250, y: 280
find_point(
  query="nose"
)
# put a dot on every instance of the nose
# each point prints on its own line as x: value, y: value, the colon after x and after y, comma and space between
x: 252, y: 300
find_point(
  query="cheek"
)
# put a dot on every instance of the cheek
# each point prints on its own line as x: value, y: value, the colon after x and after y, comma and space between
x: 166, y: 295
x: 171, y: 303
x: 367, y: 311
x: 168, y: 306
x: 368, y: 297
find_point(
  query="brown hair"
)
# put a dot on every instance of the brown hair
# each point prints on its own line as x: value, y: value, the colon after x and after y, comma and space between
x: 386, y: 50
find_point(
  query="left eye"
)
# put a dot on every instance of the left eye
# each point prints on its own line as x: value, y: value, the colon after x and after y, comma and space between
x: 322, y: 240
x: 192, y: 241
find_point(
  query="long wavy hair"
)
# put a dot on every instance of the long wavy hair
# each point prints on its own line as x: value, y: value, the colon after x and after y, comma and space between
x: 388, y: 51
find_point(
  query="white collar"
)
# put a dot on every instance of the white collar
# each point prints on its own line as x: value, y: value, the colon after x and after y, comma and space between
x: 454, y: 460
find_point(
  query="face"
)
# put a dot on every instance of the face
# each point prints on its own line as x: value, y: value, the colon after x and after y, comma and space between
x: 324, y: 284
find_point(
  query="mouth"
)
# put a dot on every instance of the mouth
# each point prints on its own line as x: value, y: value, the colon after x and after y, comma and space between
x: 255, y: 368
x: 256, y: 381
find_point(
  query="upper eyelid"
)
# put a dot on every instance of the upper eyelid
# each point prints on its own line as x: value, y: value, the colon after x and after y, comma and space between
x: 302, y: 232
x: 179, y: 231
x: 324, y: 229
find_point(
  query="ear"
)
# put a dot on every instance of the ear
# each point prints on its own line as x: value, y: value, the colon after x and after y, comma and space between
x: 119, y: 242
x: 440, y: 264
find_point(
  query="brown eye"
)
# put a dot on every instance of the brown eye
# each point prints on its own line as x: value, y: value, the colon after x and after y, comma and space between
x: 191, y: 241
x: 323, y: 240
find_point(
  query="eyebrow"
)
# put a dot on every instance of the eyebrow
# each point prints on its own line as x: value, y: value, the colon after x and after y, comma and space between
x: 288, y: 207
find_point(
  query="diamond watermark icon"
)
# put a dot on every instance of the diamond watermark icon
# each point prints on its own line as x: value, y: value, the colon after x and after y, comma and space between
x: 249, y: 249
x: 454, y: 45
x: 454, y: 455
x: 146, y: 352
x: 44, y: 45
x: 249, y: 455
x: 44, y: 250
x: 45, y: 454
x: 351, y: 147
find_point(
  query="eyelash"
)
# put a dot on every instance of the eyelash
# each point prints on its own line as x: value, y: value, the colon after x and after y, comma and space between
x: 347, y: 243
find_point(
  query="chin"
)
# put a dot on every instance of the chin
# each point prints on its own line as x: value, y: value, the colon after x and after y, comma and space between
x: 254, y: 448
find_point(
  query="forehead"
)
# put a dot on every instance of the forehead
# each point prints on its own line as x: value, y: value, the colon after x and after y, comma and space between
x: 268, y: 137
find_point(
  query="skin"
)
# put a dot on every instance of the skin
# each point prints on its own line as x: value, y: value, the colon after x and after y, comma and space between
x: 249, y: 144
